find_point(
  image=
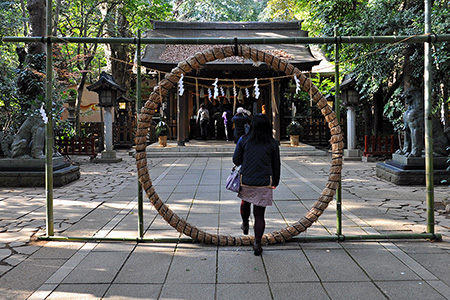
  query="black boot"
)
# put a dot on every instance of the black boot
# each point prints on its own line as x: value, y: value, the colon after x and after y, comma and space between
x: 257, y: 249
x: 245, y: 227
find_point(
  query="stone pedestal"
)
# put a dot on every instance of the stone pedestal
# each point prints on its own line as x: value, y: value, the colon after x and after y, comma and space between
x: 403, y: 170
x: 107, y: 157
x: 31, y: 172
x: 352, y: 154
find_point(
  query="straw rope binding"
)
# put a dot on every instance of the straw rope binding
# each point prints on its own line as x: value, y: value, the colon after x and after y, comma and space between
x: 196, y: 62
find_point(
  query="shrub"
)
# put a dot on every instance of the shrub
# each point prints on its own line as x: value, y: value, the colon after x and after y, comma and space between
x: 162, y: 129
x: 294, y: 128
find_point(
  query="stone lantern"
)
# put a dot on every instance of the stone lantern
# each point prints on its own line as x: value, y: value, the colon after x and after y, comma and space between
x: 350, y: 99
x: 107, y: 88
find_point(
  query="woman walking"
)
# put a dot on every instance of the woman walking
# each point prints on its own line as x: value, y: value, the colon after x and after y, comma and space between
x: 258, y: 155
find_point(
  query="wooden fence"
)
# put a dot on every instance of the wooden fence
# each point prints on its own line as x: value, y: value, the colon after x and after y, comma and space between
x: 76, y: 146
x: 379, y: 145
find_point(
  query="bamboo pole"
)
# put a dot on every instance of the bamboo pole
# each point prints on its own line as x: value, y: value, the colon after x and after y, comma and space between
x: 428, y: 122
x: 138, y: 109
x: 398, y: 236
x: 49, y: 125
x: 337, y: 109
x: 410, y: 39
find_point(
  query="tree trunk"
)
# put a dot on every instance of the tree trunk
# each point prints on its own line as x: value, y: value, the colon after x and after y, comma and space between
x: 120, y: 68
x: 407, y: 67
x: 36, y: 9
x: 89, y: 54
x: 378, y: 106
x: 24, y: 17
x: 56, y: 17
x: 80, y: 90
x: 367, y: 120
x: 445, y: 111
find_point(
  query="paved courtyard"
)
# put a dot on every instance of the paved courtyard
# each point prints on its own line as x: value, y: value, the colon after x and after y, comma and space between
x: 103, y: 203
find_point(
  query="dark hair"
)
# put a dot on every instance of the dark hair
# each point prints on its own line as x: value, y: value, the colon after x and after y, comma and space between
x: 260, y: 129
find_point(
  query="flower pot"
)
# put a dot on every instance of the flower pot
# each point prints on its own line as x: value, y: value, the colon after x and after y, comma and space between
x: 162, y: 140
x: 294, y: 140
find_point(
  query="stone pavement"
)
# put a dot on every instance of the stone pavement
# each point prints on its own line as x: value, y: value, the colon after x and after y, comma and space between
x: 103, y: 204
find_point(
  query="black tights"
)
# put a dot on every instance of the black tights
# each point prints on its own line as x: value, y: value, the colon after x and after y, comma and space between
x: 258, y: 214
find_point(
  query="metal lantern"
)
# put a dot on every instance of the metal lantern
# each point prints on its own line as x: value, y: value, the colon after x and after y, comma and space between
x: 122, y: 102
x: 106, y: 97
x: 350, y: 97
x: 107, y: 88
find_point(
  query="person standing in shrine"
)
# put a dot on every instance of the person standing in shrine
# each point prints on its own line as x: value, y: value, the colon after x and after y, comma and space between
x: 219, y: 124
x: 240, y: 120
x: 227, y: 116
x: 203, y: 120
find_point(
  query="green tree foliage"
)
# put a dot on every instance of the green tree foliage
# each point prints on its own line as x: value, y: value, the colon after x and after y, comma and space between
x: 111, y: 18
x: 288, y: 10
x: 10, y: 23
x: 383, y: 70
x: 75, y: 64
x: 139, y: 13
x: 10, y: 102
x: 214, y: 10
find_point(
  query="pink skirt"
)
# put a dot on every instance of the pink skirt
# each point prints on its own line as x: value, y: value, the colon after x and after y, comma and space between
x: 257, y: 195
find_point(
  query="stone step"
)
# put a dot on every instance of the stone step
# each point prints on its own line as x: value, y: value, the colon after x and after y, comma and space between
x: 225, y: 149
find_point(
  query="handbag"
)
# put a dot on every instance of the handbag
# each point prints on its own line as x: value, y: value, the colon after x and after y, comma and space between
x: 234, y: 180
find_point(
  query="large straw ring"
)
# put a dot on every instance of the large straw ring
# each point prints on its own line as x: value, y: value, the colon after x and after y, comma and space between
x: 194, y: 63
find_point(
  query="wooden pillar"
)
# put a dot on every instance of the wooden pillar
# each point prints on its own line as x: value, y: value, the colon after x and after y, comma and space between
x: 188, y: 103
x: 170, y: 113
x: 266, y: 99
x: 275, y: 101
x: 181, y: 118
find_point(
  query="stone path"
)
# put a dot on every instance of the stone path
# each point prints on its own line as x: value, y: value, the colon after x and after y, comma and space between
x: 103, y: 204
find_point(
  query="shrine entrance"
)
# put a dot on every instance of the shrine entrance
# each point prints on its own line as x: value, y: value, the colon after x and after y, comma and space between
x: 233, y: 76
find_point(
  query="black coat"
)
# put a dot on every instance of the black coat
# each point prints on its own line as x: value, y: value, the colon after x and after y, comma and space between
x: 239, y: 121
x: 259, y: 162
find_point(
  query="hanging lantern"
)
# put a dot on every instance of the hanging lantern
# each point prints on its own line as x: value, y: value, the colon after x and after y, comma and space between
x: 240, y: 95
x: 202, y: 93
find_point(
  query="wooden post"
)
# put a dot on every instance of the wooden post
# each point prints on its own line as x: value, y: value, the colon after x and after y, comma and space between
x: 181, y: 118
x: 275, y: 91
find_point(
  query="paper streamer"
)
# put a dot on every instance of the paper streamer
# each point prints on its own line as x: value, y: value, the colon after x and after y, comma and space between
x: 180, y: 85
x: 43, y: 114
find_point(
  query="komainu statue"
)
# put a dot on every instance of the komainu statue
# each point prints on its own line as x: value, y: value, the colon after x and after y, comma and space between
x: 28, y: 142
x: 414, y: 142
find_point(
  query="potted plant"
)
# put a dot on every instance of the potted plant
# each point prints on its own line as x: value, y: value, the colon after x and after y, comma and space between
x: 294, y: 130
x: 162, y: 131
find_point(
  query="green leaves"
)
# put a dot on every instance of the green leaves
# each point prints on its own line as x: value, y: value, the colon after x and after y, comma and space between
x: 214, y: 10
x: 380, y: 67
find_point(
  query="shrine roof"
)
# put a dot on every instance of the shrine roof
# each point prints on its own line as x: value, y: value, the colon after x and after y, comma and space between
x: 165, y: 57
